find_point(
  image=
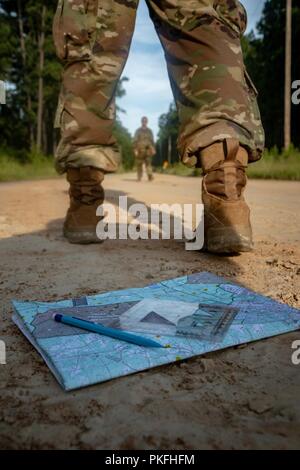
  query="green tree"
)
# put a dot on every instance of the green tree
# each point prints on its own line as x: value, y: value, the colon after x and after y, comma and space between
x: 28, y: 64
x: 167, y: 136
x: 264, y: 57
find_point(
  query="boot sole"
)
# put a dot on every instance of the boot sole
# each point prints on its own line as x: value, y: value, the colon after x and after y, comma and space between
x: 83, y: 237
x: 229, y: 240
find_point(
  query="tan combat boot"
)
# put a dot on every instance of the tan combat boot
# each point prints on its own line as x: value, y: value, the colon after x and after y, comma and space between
x: 86, y: 194
x: 226, y: 215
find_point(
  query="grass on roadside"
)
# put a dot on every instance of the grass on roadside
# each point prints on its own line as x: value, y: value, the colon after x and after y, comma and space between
x: 273, y: 165
x: 36, y: 167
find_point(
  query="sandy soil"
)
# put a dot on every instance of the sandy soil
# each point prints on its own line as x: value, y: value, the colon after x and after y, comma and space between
x: 247, y: 397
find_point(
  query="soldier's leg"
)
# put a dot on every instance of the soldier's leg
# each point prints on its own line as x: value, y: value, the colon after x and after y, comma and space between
x: 220, y: 126
x: 149, y: 171
x: 139, y: 168
x: 215, y: 97
x: 92, y: 39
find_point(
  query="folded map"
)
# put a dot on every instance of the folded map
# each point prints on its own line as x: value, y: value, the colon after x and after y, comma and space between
x: 190, y: 315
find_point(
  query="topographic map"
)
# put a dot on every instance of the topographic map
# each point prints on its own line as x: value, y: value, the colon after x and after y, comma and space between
x: 189, y: 316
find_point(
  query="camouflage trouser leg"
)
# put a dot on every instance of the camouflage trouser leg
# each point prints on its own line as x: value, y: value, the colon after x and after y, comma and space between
x: 139, y: 168
x: 201, y: 38
x: 144, y: 158
x: 215, y: 97
x: 92, y: 38
x: 148, y: 164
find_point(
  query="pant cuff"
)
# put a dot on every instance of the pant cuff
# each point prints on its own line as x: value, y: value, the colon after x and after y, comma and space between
x: 105, y: 158
x: 189, y: 146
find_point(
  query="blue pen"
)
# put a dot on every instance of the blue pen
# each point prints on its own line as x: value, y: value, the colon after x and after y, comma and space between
x: 103, y: 330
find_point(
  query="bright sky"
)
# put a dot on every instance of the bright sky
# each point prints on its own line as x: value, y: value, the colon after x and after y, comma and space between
x: 148, y: 91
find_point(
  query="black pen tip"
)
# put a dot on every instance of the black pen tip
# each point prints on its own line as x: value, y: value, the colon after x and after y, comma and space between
x: 57, y: 317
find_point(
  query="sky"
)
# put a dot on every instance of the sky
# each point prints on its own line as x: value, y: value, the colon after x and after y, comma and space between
x: 148, y: 91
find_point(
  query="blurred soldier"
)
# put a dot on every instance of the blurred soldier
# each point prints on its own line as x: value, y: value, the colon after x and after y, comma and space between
x: 220, y: 126
x: 144, y: 149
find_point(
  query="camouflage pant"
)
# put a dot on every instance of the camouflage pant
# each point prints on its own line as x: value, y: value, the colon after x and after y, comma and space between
x: 201, y: 38
x: 140, y: 161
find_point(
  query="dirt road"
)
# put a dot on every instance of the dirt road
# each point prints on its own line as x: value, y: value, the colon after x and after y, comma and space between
x: 246, y: 397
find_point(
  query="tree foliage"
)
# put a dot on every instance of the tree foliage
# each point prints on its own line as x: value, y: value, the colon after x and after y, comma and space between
x: 167, y: 135
x: 21, y: 29
x: 21, y: 25
x: 265, y: 60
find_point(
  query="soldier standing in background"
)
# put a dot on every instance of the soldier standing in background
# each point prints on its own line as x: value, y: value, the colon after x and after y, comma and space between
x: 220, y: 125
x: 144, y: 149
